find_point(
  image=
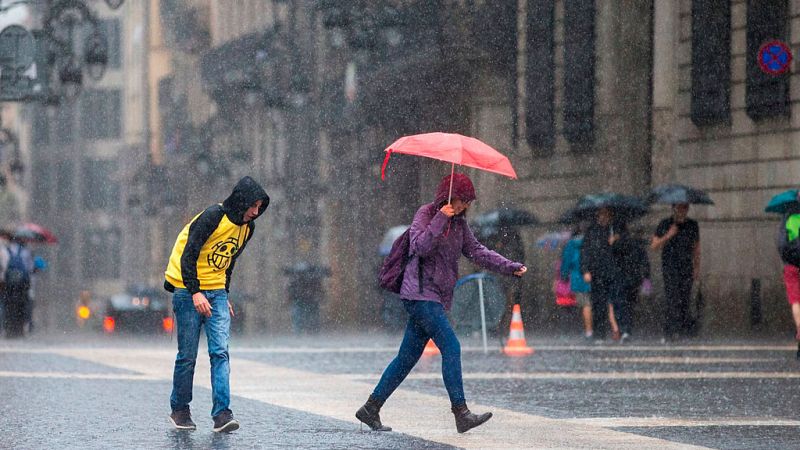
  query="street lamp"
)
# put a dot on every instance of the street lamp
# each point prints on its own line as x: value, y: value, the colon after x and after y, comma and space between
x: 60, y: 24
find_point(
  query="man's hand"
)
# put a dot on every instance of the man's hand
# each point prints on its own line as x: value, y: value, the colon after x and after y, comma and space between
x: 230, y: 308
x: 201, y: 304
x: 613, y: 238
x: 521, y: 271
x: 448, y: 210
x: 587, y: 277
x: 673, y: 230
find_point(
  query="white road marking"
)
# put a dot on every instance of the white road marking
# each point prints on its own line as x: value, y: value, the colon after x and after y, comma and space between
x: 79, y: 376
x: 648, y: 422
x: 413, y: 413
x: 591, y: 375
x: 685, y: 360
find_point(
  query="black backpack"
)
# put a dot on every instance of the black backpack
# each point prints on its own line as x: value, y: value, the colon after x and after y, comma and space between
x: 789, y: 250
x: 17, y: 276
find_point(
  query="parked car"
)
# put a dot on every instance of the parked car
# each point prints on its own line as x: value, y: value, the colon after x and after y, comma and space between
x: 139, y: 308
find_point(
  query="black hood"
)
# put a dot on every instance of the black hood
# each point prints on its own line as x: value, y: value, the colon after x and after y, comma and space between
x: 244, y: 194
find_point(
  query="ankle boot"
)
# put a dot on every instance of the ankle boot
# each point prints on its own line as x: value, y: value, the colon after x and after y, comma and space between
x: 466, y: 420
x: 369, y: 414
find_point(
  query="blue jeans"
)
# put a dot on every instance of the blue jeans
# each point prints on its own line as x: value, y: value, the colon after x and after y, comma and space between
x: 218, y: 331
x: 426, y: 320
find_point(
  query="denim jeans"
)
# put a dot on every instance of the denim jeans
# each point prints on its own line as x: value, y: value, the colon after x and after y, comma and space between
x: 426, y: 320
x: 218, y: 331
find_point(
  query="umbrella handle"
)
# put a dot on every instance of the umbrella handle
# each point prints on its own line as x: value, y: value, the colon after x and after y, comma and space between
x: 385, y: 163
x: 450, y: 194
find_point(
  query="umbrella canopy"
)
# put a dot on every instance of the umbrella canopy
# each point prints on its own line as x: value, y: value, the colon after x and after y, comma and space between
x: 552, y: 240
x: 31, y: 232
x: 625, y: 207
x: 505, y: 217
x: 784, y: 202
x: 672, y: 194
x: 453, y: 148
x: 389, y: 237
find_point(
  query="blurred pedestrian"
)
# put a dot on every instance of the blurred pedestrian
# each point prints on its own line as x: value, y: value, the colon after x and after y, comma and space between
x: 571, y: 272
x: 678, y: 238
x: 789, y: 249
x: 601, y: 268
x: 18, y: 267
x: 506, y: 241
x: 631, y: 253
x: 199, y: 274
x: 439, y: 235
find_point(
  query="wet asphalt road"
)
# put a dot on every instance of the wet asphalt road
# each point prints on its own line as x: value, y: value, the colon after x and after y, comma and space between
x: 714, y: 395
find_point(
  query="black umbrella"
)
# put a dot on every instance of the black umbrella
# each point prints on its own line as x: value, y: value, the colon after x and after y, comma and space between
x: 672, y: 194
x: 625, y: 207
x: 490, y: 222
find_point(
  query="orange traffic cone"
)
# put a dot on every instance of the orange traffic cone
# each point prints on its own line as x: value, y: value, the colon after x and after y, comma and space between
x: 430, y: 349
x: 516, y: 345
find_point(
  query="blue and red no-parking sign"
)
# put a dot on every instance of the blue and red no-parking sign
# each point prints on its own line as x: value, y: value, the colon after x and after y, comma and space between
x: 774, y: 57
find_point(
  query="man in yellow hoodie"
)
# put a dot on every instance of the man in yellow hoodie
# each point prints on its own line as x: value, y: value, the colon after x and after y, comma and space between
x: 199, y: 274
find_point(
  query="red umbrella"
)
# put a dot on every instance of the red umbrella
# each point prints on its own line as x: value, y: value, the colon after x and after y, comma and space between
x: 452, y: 148
x: 33, y: 232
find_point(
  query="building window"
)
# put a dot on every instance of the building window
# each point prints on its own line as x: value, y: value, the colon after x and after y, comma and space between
x: 102, y: 248
x: 64, y: 255
x: 111, y: 29
x: 101, y: 114
x: 579, y: 72
x: 766, y: 95
x: 540, y: 78
x: 100, y: 189
x: 711, y: 62
x: 65, y: 124
x: 64, y: 183
x: 41, y: 127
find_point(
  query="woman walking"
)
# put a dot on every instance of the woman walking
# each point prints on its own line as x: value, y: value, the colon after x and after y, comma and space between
x: 438, y: 236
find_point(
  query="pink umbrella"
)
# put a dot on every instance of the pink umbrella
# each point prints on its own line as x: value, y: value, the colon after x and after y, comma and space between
x: 452, y: 148
x: 32, y: 232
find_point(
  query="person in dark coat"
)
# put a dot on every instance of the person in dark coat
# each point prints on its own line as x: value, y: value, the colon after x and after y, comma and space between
x: 600, y: 268
x: 507, y: 241
x: 439, y: 235
x: 678, y: 238
x: 631, y: 254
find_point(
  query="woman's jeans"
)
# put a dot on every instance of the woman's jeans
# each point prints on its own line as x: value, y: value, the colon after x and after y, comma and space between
x: 218, y: 331
x: 426, y: 320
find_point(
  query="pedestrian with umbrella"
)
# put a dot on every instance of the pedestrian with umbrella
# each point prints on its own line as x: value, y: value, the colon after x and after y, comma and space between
x: 678, y: 238
x: 498, y: 230
x: 438, y: 236
x: 600, y: 263
x: 787, y: 204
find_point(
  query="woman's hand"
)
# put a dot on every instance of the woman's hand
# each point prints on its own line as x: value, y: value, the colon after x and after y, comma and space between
x: 521, y: 271
x: 587, y: 277
x: 448, y: 210
x: 230, y: 308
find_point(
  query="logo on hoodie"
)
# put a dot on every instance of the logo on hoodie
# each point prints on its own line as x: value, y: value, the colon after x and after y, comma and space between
x: 222, y: 252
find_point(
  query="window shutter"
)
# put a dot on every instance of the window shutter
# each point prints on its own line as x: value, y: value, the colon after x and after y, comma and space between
x: 579, y: 49
x: 540, y: 77
x: 711, y: 62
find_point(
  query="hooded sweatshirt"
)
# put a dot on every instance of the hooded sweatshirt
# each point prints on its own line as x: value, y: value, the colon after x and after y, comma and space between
x: 206, y: 249
x: 436, y: 243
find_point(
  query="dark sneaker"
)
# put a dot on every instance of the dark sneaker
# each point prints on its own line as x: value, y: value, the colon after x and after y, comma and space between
x: 225, y: 423
x: 182, y: 420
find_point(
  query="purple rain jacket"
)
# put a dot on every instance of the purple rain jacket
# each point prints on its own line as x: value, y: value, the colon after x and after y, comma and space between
x: 439, y: 242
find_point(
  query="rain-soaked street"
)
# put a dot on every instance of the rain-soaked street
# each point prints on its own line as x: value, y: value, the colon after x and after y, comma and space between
x: 113, y: 392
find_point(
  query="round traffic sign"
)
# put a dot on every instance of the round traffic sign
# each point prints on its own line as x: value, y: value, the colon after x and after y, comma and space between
x: 774, y: 57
